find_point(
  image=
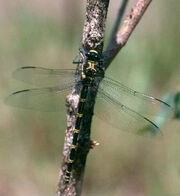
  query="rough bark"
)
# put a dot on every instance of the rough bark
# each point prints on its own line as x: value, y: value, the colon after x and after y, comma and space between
x: 93, y: 38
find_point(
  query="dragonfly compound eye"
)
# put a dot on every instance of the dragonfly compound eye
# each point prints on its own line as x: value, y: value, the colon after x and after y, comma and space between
x: 93, y: 55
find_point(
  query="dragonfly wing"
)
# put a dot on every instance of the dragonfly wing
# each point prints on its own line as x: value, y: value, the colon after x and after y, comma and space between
x: 42, y: 77
x: 43, y: 99
x: 122, y: 117
x: 142, y: 103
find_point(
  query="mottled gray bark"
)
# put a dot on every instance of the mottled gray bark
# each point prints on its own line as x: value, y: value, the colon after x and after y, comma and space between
x: 93, y: 38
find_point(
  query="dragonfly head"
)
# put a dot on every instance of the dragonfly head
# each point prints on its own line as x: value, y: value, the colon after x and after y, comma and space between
x: 93, y: 55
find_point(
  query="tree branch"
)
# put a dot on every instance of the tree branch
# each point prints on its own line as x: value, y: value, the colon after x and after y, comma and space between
x: 117, y: 23
x: 125, y: 31
x: 94, y: 26
x: 93, y: 38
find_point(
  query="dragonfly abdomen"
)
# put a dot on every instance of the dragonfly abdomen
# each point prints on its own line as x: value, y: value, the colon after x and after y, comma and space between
x: 76, y: 132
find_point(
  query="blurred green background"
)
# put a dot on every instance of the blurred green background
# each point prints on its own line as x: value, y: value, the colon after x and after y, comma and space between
x: 48, y: 33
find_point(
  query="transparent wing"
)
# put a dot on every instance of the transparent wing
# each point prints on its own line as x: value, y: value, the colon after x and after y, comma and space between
x: 43, y: 99
x: 127, y: 109
x: 122, y: 117
x: 42, y: 77
x: 142, y: 103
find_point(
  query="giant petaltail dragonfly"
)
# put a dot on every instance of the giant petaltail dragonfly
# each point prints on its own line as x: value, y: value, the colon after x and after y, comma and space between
x: 112, y: 98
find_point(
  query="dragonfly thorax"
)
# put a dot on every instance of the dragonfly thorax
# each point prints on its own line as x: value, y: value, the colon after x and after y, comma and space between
x: 91, y: 67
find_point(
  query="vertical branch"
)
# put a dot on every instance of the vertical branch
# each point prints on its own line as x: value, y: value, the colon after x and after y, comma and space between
x: 93, y: 38
x: 94, y: 26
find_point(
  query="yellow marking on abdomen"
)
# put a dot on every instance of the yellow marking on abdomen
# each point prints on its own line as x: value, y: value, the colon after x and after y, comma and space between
x: 73, y: 146
x: 76, y: 131
x: 70, y: 161
x: 80, y: 115
x: 82, y: 100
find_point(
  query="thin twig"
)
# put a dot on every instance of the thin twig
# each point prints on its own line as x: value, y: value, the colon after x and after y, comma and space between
x: 93, y: 38
x: 125, y: 31
x: 117, y: 23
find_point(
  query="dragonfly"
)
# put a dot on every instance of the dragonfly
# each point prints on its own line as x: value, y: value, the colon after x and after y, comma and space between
x: 117, y: 104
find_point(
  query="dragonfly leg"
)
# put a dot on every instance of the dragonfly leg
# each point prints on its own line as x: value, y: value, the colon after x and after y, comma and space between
x: 93, y: 144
